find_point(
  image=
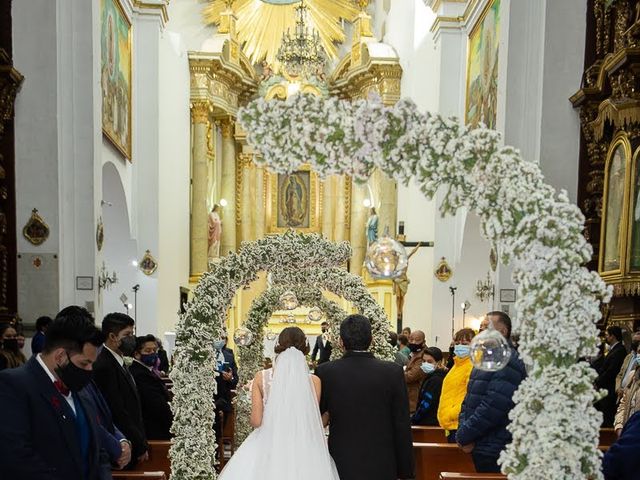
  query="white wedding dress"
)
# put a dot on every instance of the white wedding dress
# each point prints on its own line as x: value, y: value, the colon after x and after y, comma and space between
x: 290, y: 444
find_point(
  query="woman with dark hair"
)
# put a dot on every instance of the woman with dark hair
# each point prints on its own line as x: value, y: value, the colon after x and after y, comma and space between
x: 288, y: 442
x: 10, y: 354
x: 429, y: 396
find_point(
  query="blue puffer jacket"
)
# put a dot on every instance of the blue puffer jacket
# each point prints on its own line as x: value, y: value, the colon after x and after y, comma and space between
x: 485, y: 410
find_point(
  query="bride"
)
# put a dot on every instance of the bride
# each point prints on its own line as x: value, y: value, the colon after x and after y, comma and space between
x: 288, y: 442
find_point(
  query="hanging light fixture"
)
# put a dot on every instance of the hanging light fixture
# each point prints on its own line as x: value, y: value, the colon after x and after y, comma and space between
x: 302, y: 54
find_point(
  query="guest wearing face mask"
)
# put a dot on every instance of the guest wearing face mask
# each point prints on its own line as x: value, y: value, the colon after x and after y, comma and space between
x: 413, y: 374
x: 226, y: 380
x: 628, y: 366
x: 322, y: 348
x: 117, y: 385
x: 10, y: 354
x: 454, y: 386
x: 429, y: 397
x: 154, y: 397
x: 49, y: 428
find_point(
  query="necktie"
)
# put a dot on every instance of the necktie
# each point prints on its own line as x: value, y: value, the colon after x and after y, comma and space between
x: 61, y: 387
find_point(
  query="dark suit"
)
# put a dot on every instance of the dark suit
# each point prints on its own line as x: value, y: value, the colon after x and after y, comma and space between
x: 224, y: 387
x: 156, y: 412
x: 607, y: 380
x: 370, y: 434
x: 120, y: 392
x: 39, y: 436
x: 37, y: 342
x: 324, y: 351
x: 108, y: 434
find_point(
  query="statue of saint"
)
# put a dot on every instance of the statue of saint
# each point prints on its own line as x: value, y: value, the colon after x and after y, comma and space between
x: 215, y: 233
x: 401, y: 284
x: 372, y: 227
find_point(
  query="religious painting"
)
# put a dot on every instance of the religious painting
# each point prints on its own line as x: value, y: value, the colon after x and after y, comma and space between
x: 115, y: 41
x: 634, y: 221
x: 482, y: 68
x: 613, y: 226
x: 293, y: 201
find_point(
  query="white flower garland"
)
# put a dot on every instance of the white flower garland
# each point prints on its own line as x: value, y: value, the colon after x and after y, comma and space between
x: 251, y: 357
x: 554, y: 424
x: 193, y: 452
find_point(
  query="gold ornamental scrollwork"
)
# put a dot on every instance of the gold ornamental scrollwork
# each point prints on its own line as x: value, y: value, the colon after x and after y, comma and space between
x: 10, y: 82
x: 200, y: 111
x: 227, y: 128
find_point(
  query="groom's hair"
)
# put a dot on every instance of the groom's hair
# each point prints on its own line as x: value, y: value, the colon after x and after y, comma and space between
x: 355, y: 332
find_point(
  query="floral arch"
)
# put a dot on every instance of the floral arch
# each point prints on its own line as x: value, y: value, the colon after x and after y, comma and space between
x: 554, y: 423
x: 308, y: 264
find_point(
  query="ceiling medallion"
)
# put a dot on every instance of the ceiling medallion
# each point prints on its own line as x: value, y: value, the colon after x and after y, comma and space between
x: 302, y: 54
x: 36, y: 231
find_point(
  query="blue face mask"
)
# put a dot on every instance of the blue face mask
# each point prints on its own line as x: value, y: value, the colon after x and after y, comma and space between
x: 218, y: 344
x: 149, y: 360
x: 427, y: 367
x: 461, y: 351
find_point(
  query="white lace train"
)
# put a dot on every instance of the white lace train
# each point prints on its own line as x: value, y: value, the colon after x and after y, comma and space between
x: 290, y: 444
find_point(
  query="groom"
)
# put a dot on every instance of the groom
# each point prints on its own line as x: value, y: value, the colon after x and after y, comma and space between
x: 366, y: 399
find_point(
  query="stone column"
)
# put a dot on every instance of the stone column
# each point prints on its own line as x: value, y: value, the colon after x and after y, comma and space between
x: 199, y: 175
x: 228, y: 190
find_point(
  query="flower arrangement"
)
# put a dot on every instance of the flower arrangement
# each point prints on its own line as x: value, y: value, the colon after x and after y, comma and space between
x: 554, y: 423
x: 309, y: 259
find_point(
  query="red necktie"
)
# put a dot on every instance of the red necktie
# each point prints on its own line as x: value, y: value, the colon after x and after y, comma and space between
x: 61, y: 387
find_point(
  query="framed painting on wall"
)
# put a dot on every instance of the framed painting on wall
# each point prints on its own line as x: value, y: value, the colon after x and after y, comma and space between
x: 116, y: 73
x: 293, y: 201
x: 482, y: 68
x: 614, y: 230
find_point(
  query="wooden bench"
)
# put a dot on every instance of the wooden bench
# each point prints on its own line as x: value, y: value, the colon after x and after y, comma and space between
x: 158, y: 459
x: 471, y: 476
x: 428, y: 434
x: 608, y: 436
x: 433, y: 458
x: 139, y: 475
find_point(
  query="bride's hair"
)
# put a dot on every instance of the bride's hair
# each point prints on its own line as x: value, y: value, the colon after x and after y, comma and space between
x: 292, y: 337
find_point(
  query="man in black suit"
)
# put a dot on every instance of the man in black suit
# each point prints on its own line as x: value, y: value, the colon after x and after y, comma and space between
x: 48, y: 428
x: 117, y: 385
x: 322, y: 346
x: 368, y: 409
x: 608, y: 373
x: 226, y: 380
x: 154, y: 396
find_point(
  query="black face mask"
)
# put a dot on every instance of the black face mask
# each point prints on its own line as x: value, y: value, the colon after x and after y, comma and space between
x: 128, y: 346
x: 634, y: 346
x: 75, y: 378
x: 415, y: 347
x: 10, y: 344
x: 324, y: 329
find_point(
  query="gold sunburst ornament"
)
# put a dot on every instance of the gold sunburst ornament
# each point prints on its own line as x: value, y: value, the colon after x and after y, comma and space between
x: 262, y: 23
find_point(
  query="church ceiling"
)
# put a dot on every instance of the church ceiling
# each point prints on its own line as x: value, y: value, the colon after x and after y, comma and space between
x: 262, y: 23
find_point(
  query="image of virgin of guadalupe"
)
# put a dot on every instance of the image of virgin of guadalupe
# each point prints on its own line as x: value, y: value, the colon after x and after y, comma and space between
x: 295, y: 201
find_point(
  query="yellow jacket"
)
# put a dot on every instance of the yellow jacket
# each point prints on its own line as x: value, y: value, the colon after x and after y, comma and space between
x: 454, y: 389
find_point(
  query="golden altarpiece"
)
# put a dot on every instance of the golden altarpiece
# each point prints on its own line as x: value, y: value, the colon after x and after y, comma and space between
x: 252, y: 202
x: 609, y: 176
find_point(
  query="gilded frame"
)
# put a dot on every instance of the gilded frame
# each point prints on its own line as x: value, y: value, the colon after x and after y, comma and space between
x: 477, y: 27
x: 315, y: 203
x: 124, y: 148
x: 634, y: 168
x: 620, y: 140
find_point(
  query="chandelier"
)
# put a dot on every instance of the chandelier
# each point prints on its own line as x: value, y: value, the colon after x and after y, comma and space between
x: 302, y: 54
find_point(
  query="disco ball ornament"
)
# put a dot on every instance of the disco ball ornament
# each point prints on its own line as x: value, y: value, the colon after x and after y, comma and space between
x: 271, y: 335
x: 243, y: 337
x: 315, y: 314
x: 386, y: 258
x: 288, y: 300
x: 490, y: 351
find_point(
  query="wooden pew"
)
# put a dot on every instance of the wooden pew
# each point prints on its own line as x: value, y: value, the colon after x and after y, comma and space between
x: 608, y: 436
x: 158, y: 458
x: 471, y: 476
x: 139, y: 476
x: 428, y: 434
x: 433, y: 458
